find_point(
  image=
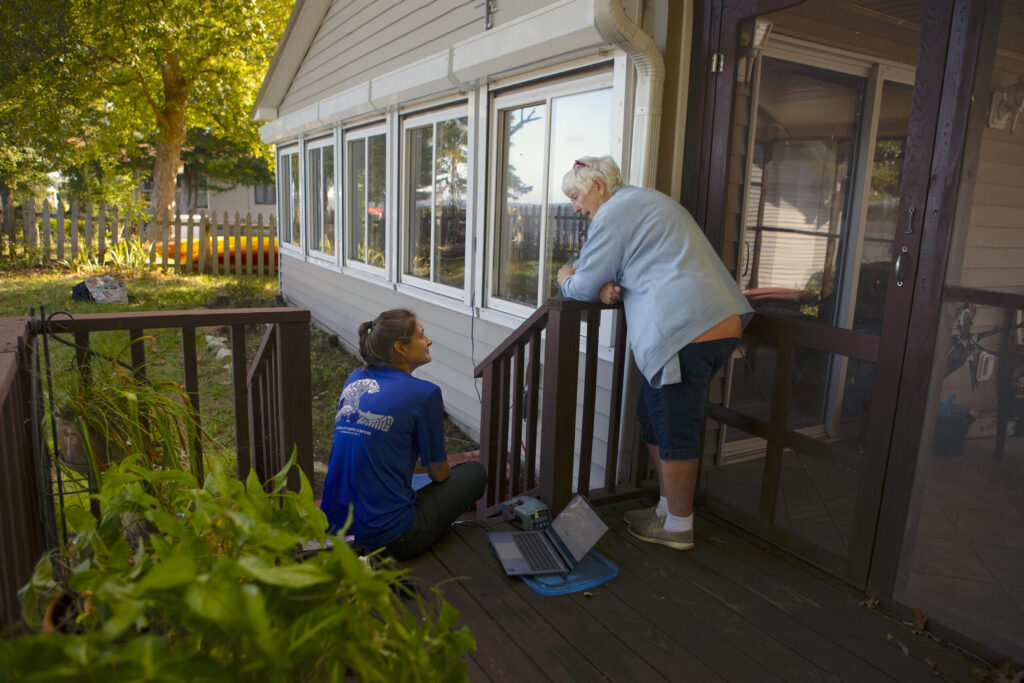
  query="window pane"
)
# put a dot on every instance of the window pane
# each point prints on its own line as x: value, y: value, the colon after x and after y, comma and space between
x: 375, y: 198
x: 284, y: 174
x: 450, y: 177
x: 356, y: 193
x: 517, y: 242
x: 327, y: 200
x: 581, y: 125
x: 314, y: 180
x: 807, y: 123
x: 296, y: 201
x: 417, y: 236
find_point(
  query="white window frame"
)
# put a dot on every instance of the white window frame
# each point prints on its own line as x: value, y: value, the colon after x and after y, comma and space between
x: 364, y: 133
x: 328, y: 140
x: 420, y: 120
x: 283, y: 186
x: 541, y: 93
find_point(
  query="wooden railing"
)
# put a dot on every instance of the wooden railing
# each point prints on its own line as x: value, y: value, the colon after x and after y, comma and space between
x: 22, y: 532
x: 25, y: 496
x: 279, y: 401
x: 530, y: 406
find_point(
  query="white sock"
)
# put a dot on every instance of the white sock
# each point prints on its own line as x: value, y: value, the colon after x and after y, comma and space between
x: 677, y: 524
x: 662, y: 507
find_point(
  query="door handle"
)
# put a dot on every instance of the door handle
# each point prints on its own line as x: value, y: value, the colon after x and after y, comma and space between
x: 899, y: 266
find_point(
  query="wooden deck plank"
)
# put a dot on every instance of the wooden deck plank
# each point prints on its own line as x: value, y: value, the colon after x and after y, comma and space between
x: 834, y: 608
x: 674, y: 593
x: 546, y: 647
x: 597, y: 640
x: 733, y: 609
x: 673, y: 642
x: 497, y: 655
x: 753, y: 606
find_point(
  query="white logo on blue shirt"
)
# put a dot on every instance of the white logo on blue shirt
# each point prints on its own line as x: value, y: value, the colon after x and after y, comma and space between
x: 349, y: 409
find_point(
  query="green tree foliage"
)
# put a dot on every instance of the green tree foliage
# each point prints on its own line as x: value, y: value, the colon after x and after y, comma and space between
x: 226, y: 161
x: 133, y: 77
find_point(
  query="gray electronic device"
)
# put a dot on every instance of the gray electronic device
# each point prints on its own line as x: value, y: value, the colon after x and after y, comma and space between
x: 556, y: 549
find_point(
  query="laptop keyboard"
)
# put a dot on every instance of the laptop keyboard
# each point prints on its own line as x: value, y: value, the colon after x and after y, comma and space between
x: 536, y: 552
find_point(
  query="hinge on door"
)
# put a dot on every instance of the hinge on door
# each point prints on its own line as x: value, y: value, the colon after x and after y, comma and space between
x: 717, y: 62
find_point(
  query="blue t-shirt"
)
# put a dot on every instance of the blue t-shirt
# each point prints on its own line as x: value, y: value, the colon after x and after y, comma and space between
x: 386, y: 418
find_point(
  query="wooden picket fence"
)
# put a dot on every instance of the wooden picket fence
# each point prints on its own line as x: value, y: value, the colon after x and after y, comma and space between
x: 82, y: 232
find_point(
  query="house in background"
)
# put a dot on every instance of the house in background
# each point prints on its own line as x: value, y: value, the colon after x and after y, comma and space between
x: 858, y: 166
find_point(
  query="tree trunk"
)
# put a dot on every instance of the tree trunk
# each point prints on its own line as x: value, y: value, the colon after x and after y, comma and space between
x: 170, y: 136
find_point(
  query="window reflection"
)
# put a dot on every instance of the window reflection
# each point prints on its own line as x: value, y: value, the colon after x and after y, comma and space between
x: 356, y: 193
x: 518, y: 240
x: 435, y: 230
x: 541, y: 141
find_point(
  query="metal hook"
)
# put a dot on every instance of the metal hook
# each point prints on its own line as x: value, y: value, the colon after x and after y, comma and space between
x: 910, y: 222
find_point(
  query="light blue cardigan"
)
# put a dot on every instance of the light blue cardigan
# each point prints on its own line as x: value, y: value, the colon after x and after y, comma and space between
x: 674, y: 286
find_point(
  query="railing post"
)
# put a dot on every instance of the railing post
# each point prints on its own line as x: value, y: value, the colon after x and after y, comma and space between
x: 296, y: 403
x: 558, y: 412
x: 22, y: 529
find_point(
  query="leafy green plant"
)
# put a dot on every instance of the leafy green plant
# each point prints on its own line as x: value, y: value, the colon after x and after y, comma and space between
x: 176, y: 581
x: 129, y: 255
x: 113, y: 413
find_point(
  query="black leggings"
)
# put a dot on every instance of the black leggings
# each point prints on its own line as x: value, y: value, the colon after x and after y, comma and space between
x: 438, y: 504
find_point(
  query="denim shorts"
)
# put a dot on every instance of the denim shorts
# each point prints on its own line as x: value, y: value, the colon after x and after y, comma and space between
x: 671, y: 417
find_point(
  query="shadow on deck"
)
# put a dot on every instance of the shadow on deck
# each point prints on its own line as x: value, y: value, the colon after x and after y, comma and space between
x: 729, y: 610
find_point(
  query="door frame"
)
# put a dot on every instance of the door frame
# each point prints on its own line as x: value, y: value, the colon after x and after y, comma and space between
x: 947, y: 59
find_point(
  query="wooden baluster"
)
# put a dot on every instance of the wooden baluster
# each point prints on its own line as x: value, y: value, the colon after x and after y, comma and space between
x: 113, y: 226
x: 137, y: 336
x: 87, y: 228
x: 532, y: 408
x: 189, y: 237
x: 241, y: 400
x: 503, y: 449
x: 489, y: 414
x: 260, y: 251
x: 297, y: 411
x: 204, y: 244
x: 272, y: 252
x: 189, y: 359
x: 237, y: 250
x: 518, y: 485
x: 248, y: 244
x: 589, y: 399
x: 101, y: 235
x: 74, y: 230
x: 60, y: 229
x: 619, y: 371
x: 46, y: 231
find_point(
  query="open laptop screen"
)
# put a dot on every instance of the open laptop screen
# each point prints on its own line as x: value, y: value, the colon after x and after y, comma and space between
x: 578, y: 527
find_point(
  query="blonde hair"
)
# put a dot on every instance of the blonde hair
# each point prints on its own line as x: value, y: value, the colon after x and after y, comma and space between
x: 586, y: 170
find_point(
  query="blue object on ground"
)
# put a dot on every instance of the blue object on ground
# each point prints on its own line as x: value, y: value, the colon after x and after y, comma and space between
x: 419, y: 480
x: 593, y: 570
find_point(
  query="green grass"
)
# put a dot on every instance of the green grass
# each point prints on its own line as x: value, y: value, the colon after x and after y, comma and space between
x: 24, y: 288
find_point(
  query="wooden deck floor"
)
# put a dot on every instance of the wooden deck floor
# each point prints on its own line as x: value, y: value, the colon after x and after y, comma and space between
x: 728, y: 610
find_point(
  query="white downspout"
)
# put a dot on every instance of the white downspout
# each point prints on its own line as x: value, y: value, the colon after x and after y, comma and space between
x: 617, y: 29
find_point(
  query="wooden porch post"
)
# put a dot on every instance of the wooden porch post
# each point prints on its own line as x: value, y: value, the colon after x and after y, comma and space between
x: 558, y: 412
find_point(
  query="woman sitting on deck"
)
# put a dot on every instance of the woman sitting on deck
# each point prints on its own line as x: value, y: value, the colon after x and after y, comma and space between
x: 386, y: 419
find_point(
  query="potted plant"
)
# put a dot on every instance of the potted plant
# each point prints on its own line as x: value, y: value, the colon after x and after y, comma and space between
x: 216, y: 587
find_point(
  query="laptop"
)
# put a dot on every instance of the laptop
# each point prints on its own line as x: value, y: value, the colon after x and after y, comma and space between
x: 554, y: 550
